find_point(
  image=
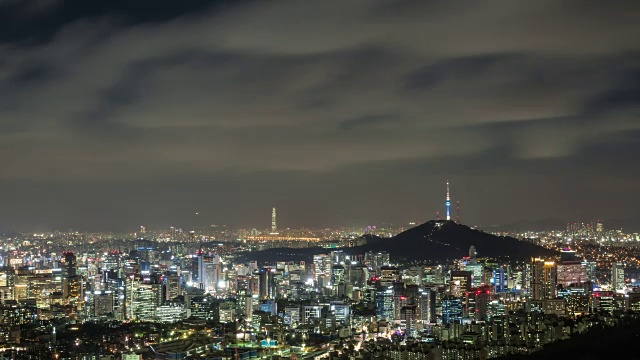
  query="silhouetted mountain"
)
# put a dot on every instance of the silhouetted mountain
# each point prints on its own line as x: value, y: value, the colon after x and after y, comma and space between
x: 433, y: 240
x: 439, y: 240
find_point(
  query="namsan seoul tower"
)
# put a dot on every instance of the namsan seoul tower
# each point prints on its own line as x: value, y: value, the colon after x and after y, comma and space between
x: 448, y: 203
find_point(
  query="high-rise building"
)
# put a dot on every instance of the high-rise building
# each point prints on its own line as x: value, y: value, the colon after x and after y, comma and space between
x: 274, y: 226
x: 248, y: 307
x: 312, y: 312
x: 384, y: 304
x: 267, y: 284
x: 477, y: 302
x: 571, y: 272
x: 209, y: 272
x: 501, y: 279
x: 173, y: 286
x: 70, y: 263
x: 337, y: 275
x: 477, y: 270
x: 103, y: 303
x: 459, y: 282
x: 146, y: 298
x: 451, y: 310
x: 322, y: 265
x: 408, y: 317
x: 617, y: 276
x: 292, y: 315
x: 543, y: 279
x: 427, y: 306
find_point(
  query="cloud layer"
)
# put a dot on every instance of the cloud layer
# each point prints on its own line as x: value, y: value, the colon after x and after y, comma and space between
x: 277, y: 92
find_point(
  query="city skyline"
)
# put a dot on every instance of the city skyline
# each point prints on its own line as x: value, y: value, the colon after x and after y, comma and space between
x: 114, y: 115
x: 304, y: 180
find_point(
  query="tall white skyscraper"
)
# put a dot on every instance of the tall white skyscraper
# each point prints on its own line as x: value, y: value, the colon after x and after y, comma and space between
x: 274, y: 226
x: 617, y: 276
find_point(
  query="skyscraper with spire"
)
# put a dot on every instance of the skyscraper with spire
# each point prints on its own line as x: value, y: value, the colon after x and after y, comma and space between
x: 448, y: 203
x: 274, y: 227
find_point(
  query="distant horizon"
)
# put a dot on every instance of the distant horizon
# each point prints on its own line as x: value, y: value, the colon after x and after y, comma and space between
x: 519, y: 225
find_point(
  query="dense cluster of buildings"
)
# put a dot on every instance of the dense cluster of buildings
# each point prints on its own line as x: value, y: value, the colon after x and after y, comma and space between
x: 472, y: 307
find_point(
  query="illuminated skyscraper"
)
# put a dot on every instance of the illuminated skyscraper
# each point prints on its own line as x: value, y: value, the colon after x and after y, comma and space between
x: 451, y: 310
x: 543, y: 279
x: 617, y: 276
x: 274, y: 227
x: 209, y: 272
x: 70, y: 263
x: 448, y: 203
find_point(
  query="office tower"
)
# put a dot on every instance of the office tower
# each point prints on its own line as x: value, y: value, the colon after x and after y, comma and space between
x: 227, y: 312
x: 448, y: 203
x: 342, y: 312
x: 603, y: 301
x: 400, y: 300
x: 173, y: 285
x: 413, y: 275
x: 274, y: 226
x: 451, y: 310
x: 322, y: 264
x: 571, y: 272
x: 337, y: 274
x: 389, y: 275
x: 427, y: 305
x: 358, y: 276
x: 267, y: 284
x: 477, y: 303
x: 213, y: 275
x: 70, y: 264
x: 145, y: 299
x: 201, y: 270
x: 477, y: 272
x: 103, y: 303
x: 202, y: 307
x: 248, y: 307
x: 617, y: 276
x: 292, y: 315
x: 312, y: 312
x: 384, y: 304
x: 496, y: 309
x: 459, y: 282
x: 375, y: 260
x: 408, y: 317
x: 500, y: 279
x: 543, y: 279
x: 269, y: 306
x: 209, y: 272
x: 338, y: 257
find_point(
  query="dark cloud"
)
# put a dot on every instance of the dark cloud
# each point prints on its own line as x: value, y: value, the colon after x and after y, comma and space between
x: 369, y: 121
x: 336, y: 112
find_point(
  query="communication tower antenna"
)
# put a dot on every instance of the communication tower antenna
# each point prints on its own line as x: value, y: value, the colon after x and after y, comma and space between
x: 448, y: 203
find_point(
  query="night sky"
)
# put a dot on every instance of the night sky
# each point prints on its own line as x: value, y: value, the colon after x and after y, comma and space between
x: 115, y: 114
